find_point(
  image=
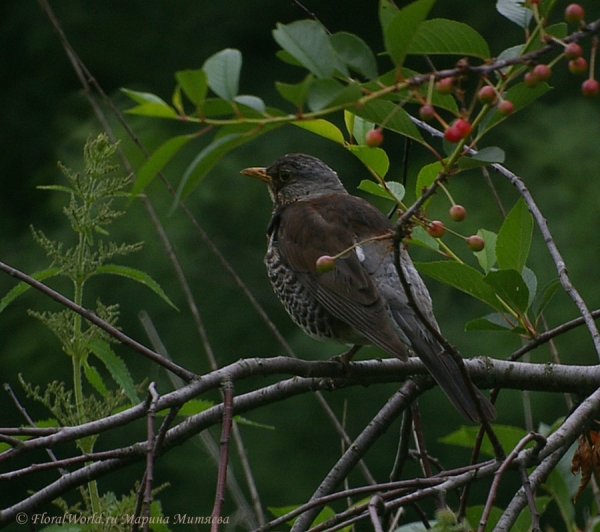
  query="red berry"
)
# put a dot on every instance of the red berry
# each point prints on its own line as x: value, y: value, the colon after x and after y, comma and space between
x: 463, y: 126
x: 325, y: 264
x: 573, y: 50
x: 374, y: 138
x: 530, y: 79
x: 542, y: 72
x: 453, y: 134
x: 445, y: 85
x: 590, y: 87
x: 457, y: 213
x: 475, y: 243
x: 506, y: 107
x: 574, y: 13
x: 578, y: 66
x: 436, y: 229
x: 486, y: 94
x: 426, y: 112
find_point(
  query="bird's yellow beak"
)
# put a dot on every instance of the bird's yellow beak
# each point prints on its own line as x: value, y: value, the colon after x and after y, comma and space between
x: 258, y: 173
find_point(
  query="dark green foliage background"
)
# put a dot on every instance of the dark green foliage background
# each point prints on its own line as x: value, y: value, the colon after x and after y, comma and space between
x: 44, y: 117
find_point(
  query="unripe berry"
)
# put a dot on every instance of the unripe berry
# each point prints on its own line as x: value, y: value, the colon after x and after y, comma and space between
x: 426, y: 112
x: 542, y: 72
x: 445, y: 85
x: 436, y: 229
x: 578, y: 66
x: 573, y: 50
x: 486, y: 94
x: 506, y: 107
x: 475, y: 243
x: 574, y: 13
x: 530, y: 79
x: 325, y: 264
x: 590, y: 87
x: 457, y: 213
x: 374, y: 138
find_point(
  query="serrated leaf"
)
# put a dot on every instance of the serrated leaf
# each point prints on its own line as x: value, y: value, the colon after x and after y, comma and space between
x: 509, y: 437
x: 329, y: 92
x: 136, y: 275
x: 403, y: 26
x: 375, y: 159
x: 295, y: 93
x: 511, y: 287
x: 462, y: 277
x: 157, y: 161
x: 308, y: 43
x: 322, y: 127
x: 115, y: 365
x: 514, y: 238
x: 484, y: 157
x: 355, y: 52
x: 393, y: 116
x: 487, y: 256
x: 223, y: 73
x: 442, y: 36
x: 426, y: 176
x: 22, y: 287
x: 194, y: 84
x: 491, y: 322
x: 95, y: 379
x: 515, y: 11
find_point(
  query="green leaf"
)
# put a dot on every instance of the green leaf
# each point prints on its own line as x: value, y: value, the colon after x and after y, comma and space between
x: 194, y: 84
x: 308, y: 43
x: 115, y: 365
x: 95, y: 379
x: 323, y: 128
x: 144, y: 97
x: 491, y: 322
x: 531, y: 281
x: 22, y: 287
x: 353, y: 51
x: 394, y: 117
x: 402, y: 28
x: 441, y: 36
x: 375, y: 159
x: 515, y: 11
x: 426, y: 176
x: 509, y: 437
x: 157, y: 161
x: 223, y: 73
x: 394, y: 192
x: 558, y: 488
x: 329, y: 92
x: 484, y: 157
x: 521, y: 96
x: 420, y: 237
x: 158, y: 110
x: 511, y: 287
x: 544, y: 297
x: 487, y: 256
x: 295, y: 93
x: 357, y: 127
x: 387, y: 11
x: 248, y: 422
x: 474, y: 514
x: 523, y: 522
x: 463, y: 277
x: 136, y: 275
x: 195, y: 406
x: 252, y: 102
x: 514, y: 238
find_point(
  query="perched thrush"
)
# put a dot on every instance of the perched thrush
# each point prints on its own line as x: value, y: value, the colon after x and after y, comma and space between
x: 361, y: 299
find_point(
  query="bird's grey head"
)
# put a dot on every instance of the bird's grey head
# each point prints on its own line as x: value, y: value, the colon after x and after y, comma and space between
x: 297, y: 176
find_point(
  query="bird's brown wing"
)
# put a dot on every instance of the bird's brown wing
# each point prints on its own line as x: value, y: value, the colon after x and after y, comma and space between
x: 308, y: 230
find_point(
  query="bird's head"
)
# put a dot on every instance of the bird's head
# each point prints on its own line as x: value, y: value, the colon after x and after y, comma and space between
x: 296, y: 177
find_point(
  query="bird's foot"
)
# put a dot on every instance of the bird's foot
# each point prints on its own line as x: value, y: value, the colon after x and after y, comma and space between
x: 346, y: 357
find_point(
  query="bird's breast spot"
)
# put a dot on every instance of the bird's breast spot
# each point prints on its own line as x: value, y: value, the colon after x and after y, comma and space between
x: 360, y: 253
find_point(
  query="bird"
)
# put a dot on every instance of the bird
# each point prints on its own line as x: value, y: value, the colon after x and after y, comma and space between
x: 360, y: 300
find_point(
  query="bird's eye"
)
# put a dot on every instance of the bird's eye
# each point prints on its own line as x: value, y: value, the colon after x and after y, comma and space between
x: 284, y: 175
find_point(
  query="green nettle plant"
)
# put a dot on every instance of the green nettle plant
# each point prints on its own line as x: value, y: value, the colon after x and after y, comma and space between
x: 449, y: 111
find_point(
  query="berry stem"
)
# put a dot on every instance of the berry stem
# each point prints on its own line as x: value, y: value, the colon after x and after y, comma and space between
x: 593, y: 56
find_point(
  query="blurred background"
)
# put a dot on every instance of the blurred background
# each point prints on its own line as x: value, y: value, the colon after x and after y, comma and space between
x: 44, y: 118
